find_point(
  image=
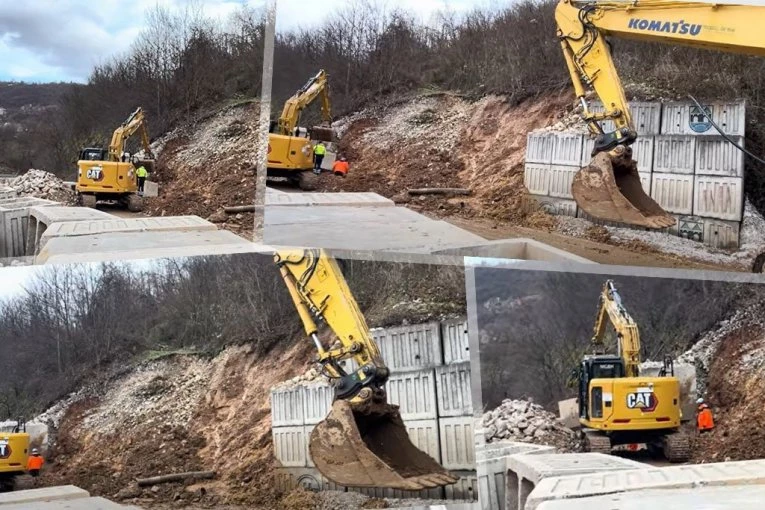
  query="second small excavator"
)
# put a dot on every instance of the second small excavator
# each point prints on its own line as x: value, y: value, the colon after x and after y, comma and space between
x: 609, y: 187
x: 363, y: 441
x: 618, y: 406
x: 291, y: 155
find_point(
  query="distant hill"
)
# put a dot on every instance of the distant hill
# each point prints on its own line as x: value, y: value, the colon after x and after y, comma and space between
x: 28, y: 124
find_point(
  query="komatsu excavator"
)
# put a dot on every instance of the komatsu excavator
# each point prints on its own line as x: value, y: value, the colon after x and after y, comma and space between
x: 105, y: 174
x: 291, y: 155
x: 617, y: 406
x: 609, y: 188
x: 363, y: 441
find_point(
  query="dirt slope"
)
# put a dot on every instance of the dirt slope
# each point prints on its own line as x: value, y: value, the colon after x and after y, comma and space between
x: 180, y: 413
x: 207, y: 164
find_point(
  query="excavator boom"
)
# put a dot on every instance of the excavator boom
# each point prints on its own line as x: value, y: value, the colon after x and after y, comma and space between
x: 363, y: 441
x: 609, y: 188
x: 293, y: 107
x: 136, y: 121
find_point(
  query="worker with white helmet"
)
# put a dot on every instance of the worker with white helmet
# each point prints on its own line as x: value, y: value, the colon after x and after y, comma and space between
x: 704, y: 419
x: 35, y: 463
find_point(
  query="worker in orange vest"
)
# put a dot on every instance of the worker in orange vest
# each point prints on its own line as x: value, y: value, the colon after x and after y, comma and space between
x: 705, y: 422
x: 341, y: 167
x: 35, y: 463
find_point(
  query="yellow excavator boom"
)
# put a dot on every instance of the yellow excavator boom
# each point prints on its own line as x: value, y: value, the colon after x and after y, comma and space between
x: 609, y: 188
x: 293, y: 107
x: 136, y: 121
x: 611, y: 310
x: 363, y: 441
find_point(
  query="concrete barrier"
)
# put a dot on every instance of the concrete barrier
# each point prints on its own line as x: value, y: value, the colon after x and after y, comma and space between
x: 41, y: 218
x: 61, y: 493
x: 491, y: 465
x: 150, y: 189
x: 708, y: 498
x: 722, y: 474
x: 568, y: 412
x: 279, y: 198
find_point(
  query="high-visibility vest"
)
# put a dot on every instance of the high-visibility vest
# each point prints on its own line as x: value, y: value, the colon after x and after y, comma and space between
x: 34, y: 462
x: 141, y: 172
x: 705, y: 419
x: 319, y: 150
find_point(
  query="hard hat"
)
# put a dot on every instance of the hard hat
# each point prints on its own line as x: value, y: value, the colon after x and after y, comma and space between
x: 700, y: 401
x: 342, y: 158
x: 34, y: 451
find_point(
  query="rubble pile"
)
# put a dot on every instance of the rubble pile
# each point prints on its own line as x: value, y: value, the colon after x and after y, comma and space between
x: 520, y: 420
x: 42, y: 184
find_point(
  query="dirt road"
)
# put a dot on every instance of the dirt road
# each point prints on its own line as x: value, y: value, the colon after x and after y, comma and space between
x: 601, y: 253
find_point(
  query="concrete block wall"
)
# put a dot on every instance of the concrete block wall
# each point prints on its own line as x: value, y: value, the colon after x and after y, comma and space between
x: 684, y: 164
x: 430, y: 382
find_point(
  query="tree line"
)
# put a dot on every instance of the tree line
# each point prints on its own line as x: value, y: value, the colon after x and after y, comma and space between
x: 74, y: 322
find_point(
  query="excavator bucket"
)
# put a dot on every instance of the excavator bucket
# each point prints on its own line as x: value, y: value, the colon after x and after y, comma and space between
x: 609, y: 189
x: 368, y: 446
x: 323, y: 133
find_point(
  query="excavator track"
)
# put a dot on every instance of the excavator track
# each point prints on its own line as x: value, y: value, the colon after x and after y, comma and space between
x: 677, y: 447
x: 597, y: 442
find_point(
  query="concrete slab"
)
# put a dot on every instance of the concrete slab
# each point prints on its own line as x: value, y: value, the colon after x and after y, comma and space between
x: 340, y: 215
x: 525, y: 472
x: 63, y: 492
x: 77, y: 504
x: 280, y: 198
x: 516, y: 249
x: 41, y: 218
x: 706, y: 498
x: 126, y: 225
x: 749, y: 472
x: 141, y: 245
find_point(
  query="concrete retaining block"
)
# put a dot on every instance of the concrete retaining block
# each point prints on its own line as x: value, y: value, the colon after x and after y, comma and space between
x: 516, y: 249
x: 722, y: 474
x: 150, y: 189
x: 114, y: 225
x: 568, y: 412
x: 6, y: 193
x: 278, y: 198
x: 14, y: 219
x: 41, y: 218
x: 457, y: 445
x: 453, y: 390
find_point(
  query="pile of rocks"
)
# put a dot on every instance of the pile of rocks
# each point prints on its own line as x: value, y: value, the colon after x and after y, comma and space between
x: 520, y: 420
x: 42, y: 184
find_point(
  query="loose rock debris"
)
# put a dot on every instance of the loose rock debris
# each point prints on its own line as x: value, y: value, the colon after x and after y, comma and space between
x: 524, y: 421
x: 42, y: 184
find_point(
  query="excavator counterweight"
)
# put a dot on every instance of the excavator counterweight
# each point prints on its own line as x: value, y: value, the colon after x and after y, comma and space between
x: 363, y: 441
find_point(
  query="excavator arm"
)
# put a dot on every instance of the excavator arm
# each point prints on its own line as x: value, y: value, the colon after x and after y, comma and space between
x: 609, y: 188
x: 293, y: 107
x: 612, y: 311
x: 134, y: 122
x: 363, y: 442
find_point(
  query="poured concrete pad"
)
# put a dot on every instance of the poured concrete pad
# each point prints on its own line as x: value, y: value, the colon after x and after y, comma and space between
x: 701, y: 498
x: 64, y: 492
x: 748, y: 472
x: 362, y: 228
x: 280, y: 198
x: 139, y: 245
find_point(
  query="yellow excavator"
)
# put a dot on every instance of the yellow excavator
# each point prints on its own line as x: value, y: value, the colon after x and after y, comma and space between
x: 609, y: 188
x: 363, y: 441
x: 618, y: 407
x: 109, y: 174
x: 14, y: 454
x: 290, y: 154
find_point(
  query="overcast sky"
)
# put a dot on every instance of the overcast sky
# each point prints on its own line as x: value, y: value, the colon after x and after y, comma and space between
x: 62, y: 40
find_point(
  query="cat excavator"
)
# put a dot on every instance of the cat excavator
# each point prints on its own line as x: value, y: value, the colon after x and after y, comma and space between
x: 618, y: 406
x: 609, y: 187
x: 14, y: 454
x: 289, y: 154
x: 106, y: 174
x: 363, y: 441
